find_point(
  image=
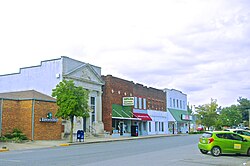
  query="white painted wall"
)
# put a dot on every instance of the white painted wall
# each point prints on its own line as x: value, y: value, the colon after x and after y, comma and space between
x: 42, y: 78
x: 177, y: 95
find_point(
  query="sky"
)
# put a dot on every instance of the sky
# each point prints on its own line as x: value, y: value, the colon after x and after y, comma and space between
x: 199, y: 47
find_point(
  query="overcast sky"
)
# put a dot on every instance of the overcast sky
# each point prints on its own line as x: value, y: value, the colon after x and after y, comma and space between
x: 201, y: 47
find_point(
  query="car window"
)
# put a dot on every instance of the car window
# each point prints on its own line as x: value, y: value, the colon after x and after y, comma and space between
x: 245, y: 133
x: 206, y: 135
x: 236, y: 137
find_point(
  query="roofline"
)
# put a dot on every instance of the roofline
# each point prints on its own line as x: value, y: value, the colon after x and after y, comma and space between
x: 22, y: 99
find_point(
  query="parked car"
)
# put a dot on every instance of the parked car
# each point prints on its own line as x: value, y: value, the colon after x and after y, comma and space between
x: 223, y: 142
x: 243, y: 133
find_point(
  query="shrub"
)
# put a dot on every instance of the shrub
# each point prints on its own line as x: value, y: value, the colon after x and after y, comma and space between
x: 16, y: 136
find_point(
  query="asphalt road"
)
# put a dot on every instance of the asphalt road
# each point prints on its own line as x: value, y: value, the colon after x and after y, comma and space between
x: 164, y: 151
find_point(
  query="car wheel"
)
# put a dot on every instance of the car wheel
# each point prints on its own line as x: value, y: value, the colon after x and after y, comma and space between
x: 216, y: 151
x: 203, y: 151
x: 248, y: 152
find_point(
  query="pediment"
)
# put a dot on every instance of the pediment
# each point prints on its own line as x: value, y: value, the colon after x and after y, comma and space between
x: 85, y: 73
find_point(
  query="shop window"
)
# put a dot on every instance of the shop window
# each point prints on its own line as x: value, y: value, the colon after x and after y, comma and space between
x: 144, y: 125
x: 162, y: 126
x: 92, y: 106
x: 156, y: 127
x: 149, y: 126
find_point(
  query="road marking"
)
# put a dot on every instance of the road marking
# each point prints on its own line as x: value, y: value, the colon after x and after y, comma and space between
x: 16, y: 161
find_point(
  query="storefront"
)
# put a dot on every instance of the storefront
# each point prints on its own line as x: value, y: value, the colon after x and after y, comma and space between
x: 179, y: 121
x: 122, y: 120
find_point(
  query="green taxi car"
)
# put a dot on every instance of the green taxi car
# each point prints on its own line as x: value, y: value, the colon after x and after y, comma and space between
x: 223, y: 142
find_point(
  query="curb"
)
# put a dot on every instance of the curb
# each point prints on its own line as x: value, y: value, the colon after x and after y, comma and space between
x: 64, y: 144
x: 4, y: 150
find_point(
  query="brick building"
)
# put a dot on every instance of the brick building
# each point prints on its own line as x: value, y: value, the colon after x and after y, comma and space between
x: 28, y: 111
x: 147, y: 108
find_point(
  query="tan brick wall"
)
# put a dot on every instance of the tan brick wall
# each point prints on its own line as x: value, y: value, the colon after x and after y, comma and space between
x: 18, y: 114
x: 46, y: 130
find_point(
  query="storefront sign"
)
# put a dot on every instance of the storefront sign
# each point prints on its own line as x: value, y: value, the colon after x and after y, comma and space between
x: 186, y: 117
x: 49, y: 118
x: 128, y: 101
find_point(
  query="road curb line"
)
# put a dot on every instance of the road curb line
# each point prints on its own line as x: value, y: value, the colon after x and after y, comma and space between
x: 4, y: 150
x: 64, y: 145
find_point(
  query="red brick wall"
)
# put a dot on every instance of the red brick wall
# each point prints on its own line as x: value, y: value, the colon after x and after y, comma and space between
x: 113, y: 91
x: 116, y: 88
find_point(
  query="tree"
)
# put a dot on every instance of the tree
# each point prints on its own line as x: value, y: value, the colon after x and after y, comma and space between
x: 244, y: 106
x: 72, y: 102
x: 230, y: 116
x: 207, y: 114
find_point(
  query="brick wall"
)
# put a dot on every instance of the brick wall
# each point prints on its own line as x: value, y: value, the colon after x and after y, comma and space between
x: 116, y: 88
x: 113, y: 91
x: 46, y: 130
x: 18, y: 114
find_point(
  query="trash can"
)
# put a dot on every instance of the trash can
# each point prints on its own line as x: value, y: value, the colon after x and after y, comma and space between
x: 134, y: 130
x: 80, y: 135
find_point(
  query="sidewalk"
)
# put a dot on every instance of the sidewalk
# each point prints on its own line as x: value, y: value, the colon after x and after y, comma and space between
x: 8, y: 146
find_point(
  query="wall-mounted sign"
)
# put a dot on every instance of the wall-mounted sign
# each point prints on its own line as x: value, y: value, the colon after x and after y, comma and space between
x: 49, y: 118
x: 128, y: 101
x: 186, y: 117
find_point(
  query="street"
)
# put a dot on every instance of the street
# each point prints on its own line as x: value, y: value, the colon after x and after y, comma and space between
x: 175, y: 150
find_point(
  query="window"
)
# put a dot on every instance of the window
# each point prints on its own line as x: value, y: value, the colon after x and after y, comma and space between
x: 140, y: 103
x: 135, y: 102
x: 184, y: 105
x: 170, y: 102
x: 180, y: 104
x: 149, y: 126
x: 144, y: 104
x: 174, y: 102
x: 144, y: 125
x: 162, y: 126
x: 92, y: 106
x: 155, y: 126
x: 177, y: 103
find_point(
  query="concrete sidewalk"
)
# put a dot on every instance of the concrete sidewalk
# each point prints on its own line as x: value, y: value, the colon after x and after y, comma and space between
x: 6, y: 146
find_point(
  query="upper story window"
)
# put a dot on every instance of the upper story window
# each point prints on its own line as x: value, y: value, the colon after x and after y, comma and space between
x: 140, y: 103
x: 170, y: 102
x: 135, y: 102
x: 173, y: 102
x: 180, y: 104
x: 177, y: 103
x: 144, y: 103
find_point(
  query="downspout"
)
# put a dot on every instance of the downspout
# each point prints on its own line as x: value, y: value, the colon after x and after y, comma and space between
x: 1, y: 116
x: 33, y: 120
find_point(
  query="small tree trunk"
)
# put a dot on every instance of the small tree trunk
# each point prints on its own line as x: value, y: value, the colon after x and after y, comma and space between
x: 72, y: 126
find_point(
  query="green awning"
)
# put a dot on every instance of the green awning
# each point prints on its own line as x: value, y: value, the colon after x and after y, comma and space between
x: 180, y: 115
x: 121, y: 111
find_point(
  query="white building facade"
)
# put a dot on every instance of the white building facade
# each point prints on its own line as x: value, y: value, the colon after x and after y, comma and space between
x: 178, y: 118
x: 44, y: 77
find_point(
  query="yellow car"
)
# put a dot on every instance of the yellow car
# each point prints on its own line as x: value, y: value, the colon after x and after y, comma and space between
x: 243, y: 133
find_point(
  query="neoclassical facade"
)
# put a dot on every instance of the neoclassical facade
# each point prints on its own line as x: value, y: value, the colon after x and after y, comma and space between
x: 44, y: 77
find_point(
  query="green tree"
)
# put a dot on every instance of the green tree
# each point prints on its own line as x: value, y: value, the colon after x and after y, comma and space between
x: 207, y: 114
x: 230, y: 116
x: 72, y: 102
x: 244, y: 106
